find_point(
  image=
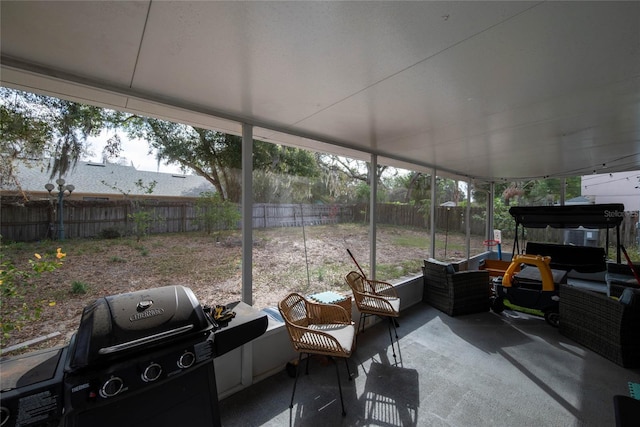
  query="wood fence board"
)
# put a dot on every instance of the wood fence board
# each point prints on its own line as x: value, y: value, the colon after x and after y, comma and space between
x: 38, y: 220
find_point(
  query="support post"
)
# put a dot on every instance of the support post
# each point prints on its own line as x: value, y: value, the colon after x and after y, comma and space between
x: 467, y: 213
x: 490, y: 210
x: 247, y: 213
x: 433, y: 213
x: 373, y: 215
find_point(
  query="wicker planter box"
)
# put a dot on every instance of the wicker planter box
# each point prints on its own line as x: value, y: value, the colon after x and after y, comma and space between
x: 454, y: 292
x: 602, y: 324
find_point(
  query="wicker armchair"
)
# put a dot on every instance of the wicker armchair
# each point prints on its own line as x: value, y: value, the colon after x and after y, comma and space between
x: 605, y: 325
x: 375, y: 298
x: 455, y: 292
x: 314, y: 328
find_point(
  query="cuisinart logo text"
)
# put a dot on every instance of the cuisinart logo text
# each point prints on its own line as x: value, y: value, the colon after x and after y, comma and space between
x: 152, y: 312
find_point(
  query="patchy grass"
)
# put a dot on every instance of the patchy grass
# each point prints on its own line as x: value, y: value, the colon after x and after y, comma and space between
x: 211, y: 265
x: 412, y: 241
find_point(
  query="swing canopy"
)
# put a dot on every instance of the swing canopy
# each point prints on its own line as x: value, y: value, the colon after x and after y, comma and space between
x: 574, y: 216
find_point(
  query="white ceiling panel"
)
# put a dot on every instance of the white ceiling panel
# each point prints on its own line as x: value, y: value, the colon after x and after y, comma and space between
x: 95, y: 39
x: 487, y: 90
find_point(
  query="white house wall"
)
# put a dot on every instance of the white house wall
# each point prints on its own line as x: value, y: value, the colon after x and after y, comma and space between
x: 621, y: 187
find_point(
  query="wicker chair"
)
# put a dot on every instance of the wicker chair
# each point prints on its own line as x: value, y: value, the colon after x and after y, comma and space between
x: 314, y: 328
x: 375, y: 298
x: 455, y: 292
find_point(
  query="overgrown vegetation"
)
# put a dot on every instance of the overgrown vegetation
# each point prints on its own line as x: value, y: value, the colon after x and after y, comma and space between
x: 18, y: 283
x: 100, y: 267
x: 141, y: 219
x: 216, y: 214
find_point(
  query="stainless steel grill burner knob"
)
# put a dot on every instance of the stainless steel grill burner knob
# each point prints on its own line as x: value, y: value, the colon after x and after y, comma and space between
x: 186, y: 360
x: 4, y: 415
x: 151, y: 372
x: 111, y: 387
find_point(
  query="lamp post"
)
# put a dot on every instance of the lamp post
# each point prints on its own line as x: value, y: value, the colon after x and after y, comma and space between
x: 63, y: 190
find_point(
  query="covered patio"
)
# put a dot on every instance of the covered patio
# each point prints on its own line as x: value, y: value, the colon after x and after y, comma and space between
x: 481, y: 91
x: 480, y: 369
x: 484, y: 92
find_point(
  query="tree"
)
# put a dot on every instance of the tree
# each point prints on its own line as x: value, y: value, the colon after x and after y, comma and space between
x: 38, y: 128
x: 214, y: 155
x: 540, y: 192
x: 54, y: 132
x: 20, y: 137
x: 349, y: 179
x: 285, y: 174
x: 480, y: 191
x: 418, y: 186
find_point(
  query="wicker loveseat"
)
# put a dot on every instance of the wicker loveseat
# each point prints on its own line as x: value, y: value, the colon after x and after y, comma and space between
x: 605, y: 325
x: 455, y: 292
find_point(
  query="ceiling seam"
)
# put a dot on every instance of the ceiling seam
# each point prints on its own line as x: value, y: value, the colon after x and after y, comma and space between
x: 144, y: 31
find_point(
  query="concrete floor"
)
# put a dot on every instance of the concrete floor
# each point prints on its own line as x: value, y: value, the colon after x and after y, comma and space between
x: 475, y: 370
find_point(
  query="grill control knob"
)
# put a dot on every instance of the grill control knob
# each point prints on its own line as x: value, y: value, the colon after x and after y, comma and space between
x: 5, y: 414
x: 151, y: 372
x: 186, y: 360
x: 111, y: 387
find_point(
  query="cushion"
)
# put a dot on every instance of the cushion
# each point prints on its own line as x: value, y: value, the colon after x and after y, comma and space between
x: 373, y: 303
x: 342, y: 333
x: 631, y: 297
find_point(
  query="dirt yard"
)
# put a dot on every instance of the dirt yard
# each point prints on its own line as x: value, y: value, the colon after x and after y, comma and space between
x: 209, y: 265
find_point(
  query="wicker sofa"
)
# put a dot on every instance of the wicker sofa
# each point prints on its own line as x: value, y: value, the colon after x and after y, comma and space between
x: 605, y: 325
x: 455, y: 292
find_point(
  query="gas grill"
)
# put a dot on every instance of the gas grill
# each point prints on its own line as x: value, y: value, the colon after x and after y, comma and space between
x: 115, y: 327
x: 129, y: 343
x: 138, y: 357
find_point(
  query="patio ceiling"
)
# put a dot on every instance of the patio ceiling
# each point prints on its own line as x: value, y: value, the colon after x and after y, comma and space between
x: 484, y: 90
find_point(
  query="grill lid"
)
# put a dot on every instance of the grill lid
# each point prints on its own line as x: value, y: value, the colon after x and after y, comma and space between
x: 119, y: 324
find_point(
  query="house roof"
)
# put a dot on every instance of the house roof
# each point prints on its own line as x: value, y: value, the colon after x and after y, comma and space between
x: 109, y: 180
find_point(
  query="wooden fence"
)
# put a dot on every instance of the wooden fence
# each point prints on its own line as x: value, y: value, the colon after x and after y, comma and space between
x: 447, y: 218
x: 38, y: 219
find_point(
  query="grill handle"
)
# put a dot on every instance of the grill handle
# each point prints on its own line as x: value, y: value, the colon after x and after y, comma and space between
x: 144, y: 340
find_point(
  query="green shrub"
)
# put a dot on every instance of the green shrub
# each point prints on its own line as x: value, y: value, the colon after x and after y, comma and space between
x: 216, y: 214
x: 142, y: 221
x: 78, y: 287
x: 110, y: 233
